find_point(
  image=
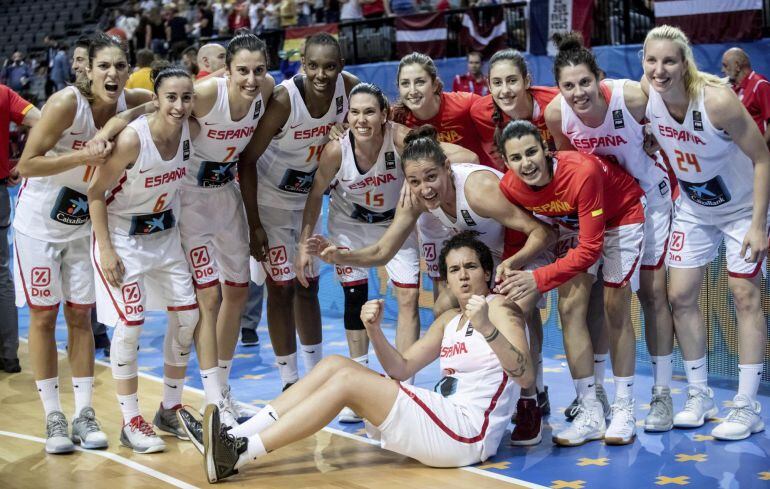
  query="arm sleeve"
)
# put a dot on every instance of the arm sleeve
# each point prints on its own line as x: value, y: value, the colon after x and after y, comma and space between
x: 18, y: 106
x: 590, y: 237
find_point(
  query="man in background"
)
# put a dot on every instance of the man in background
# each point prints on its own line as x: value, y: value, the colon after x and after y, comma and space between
x: 211, y: 58
x: 17, y: 74
x: 141, y: 78
x: 752, y: 88
x: 474, y: 80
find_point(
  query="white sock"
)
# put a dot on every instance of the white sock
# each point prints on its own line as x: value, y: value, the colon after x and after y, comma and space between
x: 287, y: 367
x: 697, y: 372
x: 600, y: 365
x: 539, y: 373
x: 362, y: 360
x: 585, y: 388
x: 211, y: 387
x: 254, y: 450
x: 748, y: 380
x: 83, y: 388
x: 257, y: 423
x: 49, y: 394
x: 311, y: 355
x: 172, y: 392
x: 624, y: 387
x: 129, y: 406
x: 662, y: 370
x: 224, y: 371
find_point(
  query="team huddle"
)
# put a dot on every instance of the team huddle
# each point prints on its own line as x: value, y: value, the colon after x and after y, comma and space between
x: 135, y: 201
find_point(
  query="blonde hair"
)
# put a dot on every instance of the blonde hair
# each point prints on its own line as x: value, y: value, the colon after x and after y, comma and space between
x: 694, y: 80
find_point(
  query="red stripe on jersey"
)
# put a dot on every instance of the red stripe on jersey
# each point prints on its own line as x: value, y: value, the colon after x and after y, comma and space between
x: 624, y: 282
x: 200, y: 286
x: 236, y: 284
x: 75, y: 305
x: 107, y: 286
x: 354, y: 283
x: 117, y: 189
x: 661, y: 260
x: 405, y: 286
x: 24, y: 284
x: 188, y: 307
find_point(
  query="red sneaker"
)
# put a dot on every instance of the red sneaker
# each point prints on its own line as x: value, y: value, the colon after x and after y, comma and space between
x: 529, y: 426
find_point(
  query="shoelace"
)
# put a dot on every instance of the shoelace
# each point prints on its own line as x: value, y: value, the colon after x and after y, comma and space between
x: 658, y: 406
x: 229, y: 440
x: 741, y: 414
x: 57, y: 427
x: 91, y: 424
x: 231, y: 406
x: 692, y: 401
x: 623, y: 413
x: 142, y: 426
x: 584, y: 419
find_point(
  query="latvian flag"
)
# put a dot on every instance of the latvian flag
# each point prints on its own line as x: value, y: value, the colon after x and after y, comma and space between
x: 424, y: 33
x: 294, y: 37
x: 484, y: 31
x: 711, y: 21
x: 547, y: 17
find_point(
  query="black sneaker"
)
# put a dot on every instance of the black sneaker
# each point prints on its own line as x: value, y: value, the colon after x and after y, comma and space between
x: 11, y: 365
x: 221, y: 450
x: 192, y: 427
x: 543, y: 402
x: 249, y: 337
x: 572, y: 411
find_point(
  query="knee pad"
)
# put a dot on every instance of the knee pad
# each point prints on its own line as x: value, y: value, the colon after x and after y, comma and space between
x: 125, y: 343
x: 187, y: 320
x: 355, y: 298
x: 173, y: 352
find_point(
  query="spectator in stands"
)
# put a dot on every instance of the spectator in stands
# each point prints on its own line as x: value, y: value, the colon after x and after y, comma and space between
x: 205, y: 20
x: 350, y: 10
x: 176, y: 32
x: 474, y: 80
x: 17, y: 74
x: 373, y: 9
x: 221, y: 10
x: 80, y: 56
x: 37, y: 86
x: 752, y: 88
x: 141, y: 77
x: 238, y: 18
x: 255, y: 14
x: 272, y: 19
x: 211, y: 57
x: 190, y: 60
x: 288, y: 13
x: 60, y: 71
x: 403, y: 7
x: 304, y: 12
x: 128, y: 22
x: 12, y: 108
x: 155, y: 32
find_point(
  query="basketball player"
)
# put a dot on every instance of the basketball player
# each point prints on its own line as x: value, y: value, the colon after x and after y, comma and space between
x: 604, y: 203
x: 608, y: 119
x: 131, y: 224
x: 288, y: 143
x: 722, y: 164
x: 482, y: 350
x: 212, y: 222
x: 364, y: 169
x: 52, y: 234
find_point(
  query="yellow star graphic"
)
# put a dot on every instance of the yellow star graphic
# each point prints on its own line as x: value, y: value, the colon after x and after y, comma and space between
x: 559, y: 357
x: 243, y: 355
x: 764, y: 476
x: 337, y: 343
x: 698, y: 457
x: 560, y: 484
x: 601, y: 462
x: 252, y: 376
x: 361, y: 432
x: 682, y: 480
x: 259, y: 401
x: 716, y: 420
x: 502, y: 465
x: 553, y: 370
x: 676, y: 390
x: 644, y: 407
x: 679, y: 377
x: 702, y: 438
x: 145, y: 368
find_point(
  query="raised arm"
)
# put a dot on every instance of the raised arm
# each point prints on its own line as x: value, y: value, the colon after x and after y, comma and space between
x: 454, y: 152
x: 553, y: 121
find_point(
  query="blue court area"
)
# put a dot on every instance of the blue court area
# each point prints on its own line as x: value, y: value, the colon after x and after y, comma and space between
x: 679, y: 458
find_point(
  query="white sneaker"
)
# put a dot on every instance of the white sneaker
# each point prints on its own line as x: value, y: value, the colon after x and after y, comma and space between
x: 589, y: 424
x: 231, y: 404
x: 661, y: 415
x: 742, y: 421
x: 87, y: 431
x: 226, y: 415
x: 699, y: 407
x: 57, y: 437
x: 622, y: 428
x: 139, y: 436
x: 347, y: 415
x: 601, y: 396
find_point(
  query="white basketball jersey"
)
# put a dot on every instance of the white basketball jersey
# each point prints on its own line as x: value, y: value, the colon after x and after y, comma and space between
x: 55, y: 208
x: 286, y: 169
x: 715, y: 176
x: 619, y: 138
x: 220, y: 142
x: 142, y: 200
x: 371, y: 196
x: 491, y: 232
x: 473, y: 377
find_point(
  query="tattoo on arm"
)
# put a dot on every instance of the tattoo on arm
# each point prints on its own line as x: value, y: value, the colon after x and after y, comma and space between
x: 491, y: 336
x: 520, y: 360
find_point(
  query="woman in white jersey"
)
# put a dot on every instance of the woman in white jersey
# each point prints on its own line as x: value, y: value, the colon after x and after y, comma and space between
x: 723, y: 169
x: 132, y: 201
x: 365, y: 173
x: 212, y: 222
x: 482, y: 351
x: 52, y: 234
x: 607, y: 119
x: 288, y: 143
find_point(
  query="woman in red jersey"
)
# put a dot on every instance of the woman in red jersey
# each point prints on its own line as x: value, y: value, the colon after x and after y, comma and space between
x: 604, y: 204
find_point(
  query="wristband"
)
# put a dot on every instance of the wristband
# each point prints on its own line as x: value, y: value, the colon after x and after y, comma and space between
x: 491, y: 336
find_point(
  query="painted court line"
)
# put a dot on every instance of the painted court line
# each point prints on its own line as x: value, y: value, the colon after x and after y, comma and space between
x: 115, y: 458
x: 344, y: 434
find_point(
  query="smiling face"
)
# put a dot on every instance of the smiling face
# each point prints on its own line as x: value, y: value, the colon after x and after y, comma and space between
x: 415, y: 86
x: 108, y: 74
x: 429, y: 181
x: 247, y: 72
x: 465, y: 275
x: 527, y: 158
x: 507, y: 85
x: 365, y: 117
x: 664, y: 65
x: 79, y: 61
x: 579, y: 87
x: 174, y: 99
x: 322, y: 66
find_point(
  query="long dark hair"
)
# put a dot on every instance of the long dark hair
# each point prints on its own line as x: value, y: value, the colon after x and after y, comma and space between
x: 422, y: 143
x: 515, y: 57
x: 95, y: 45
x: 400, y: 111
x: 245, y: 40
x: 573, y: 53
